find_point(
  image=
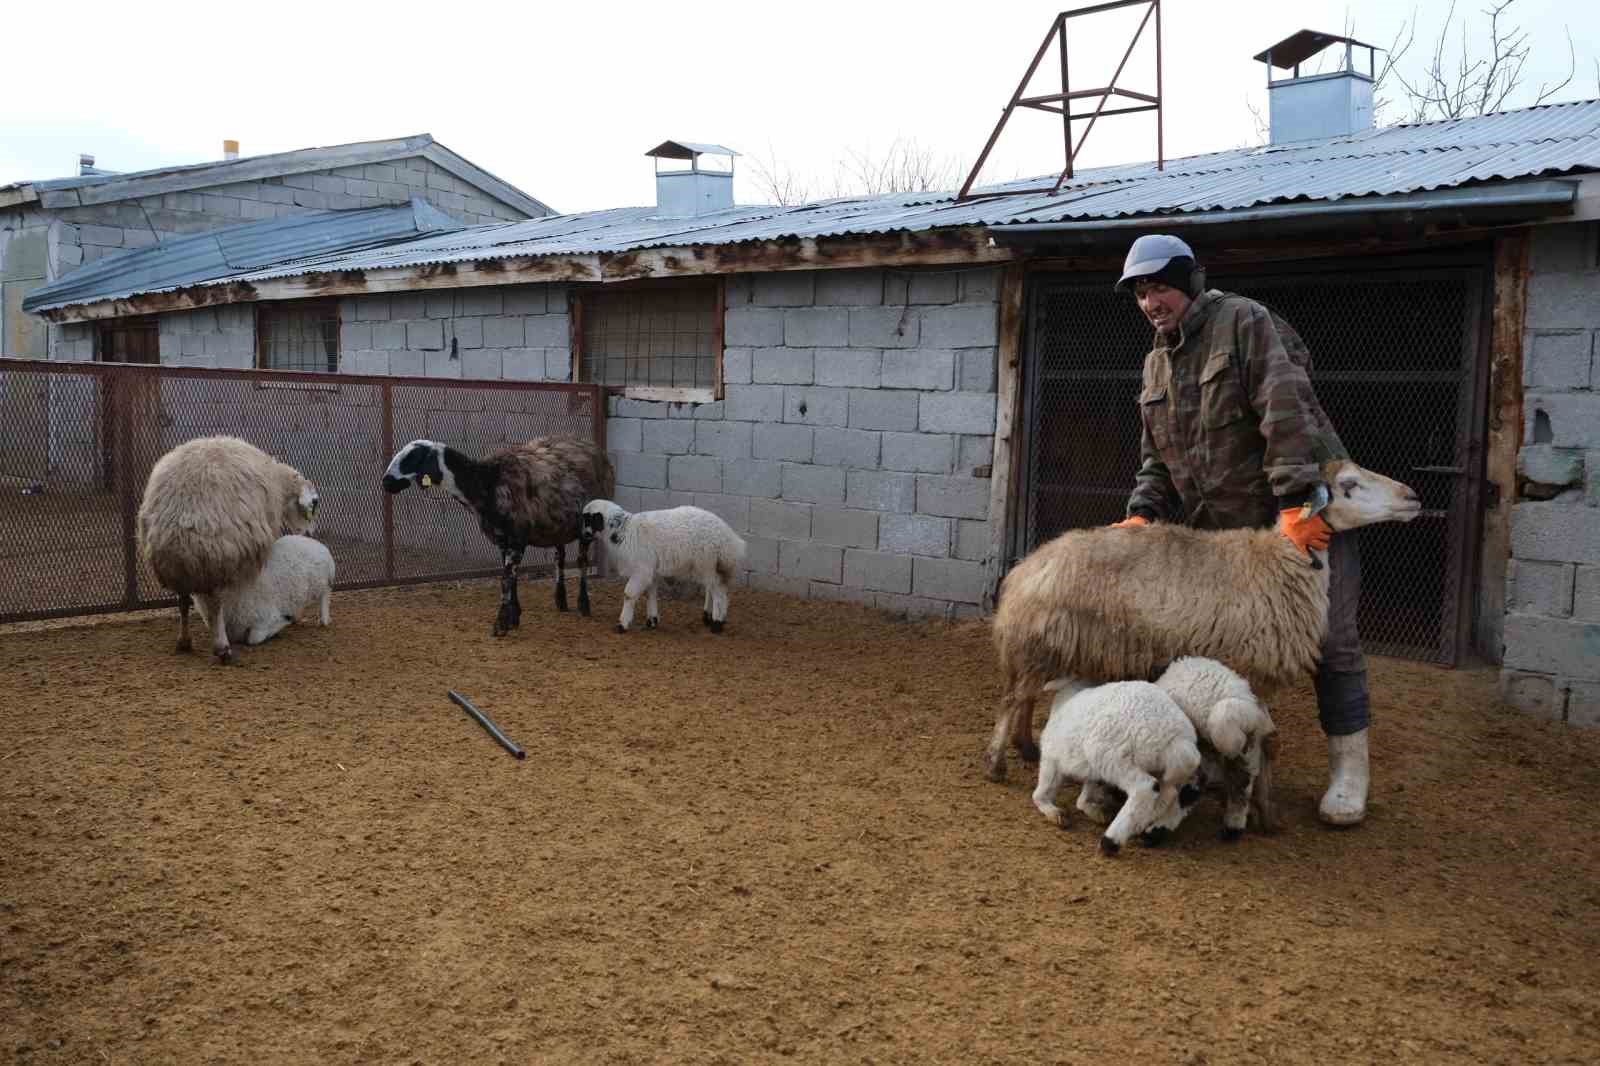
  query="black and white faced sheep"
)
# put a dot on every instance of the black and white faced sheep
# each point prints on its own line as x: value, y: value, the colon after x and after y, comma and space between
x: 212, y: 510
x: 526, y: 496
x: 1120, y: 604
x: 676, y: 542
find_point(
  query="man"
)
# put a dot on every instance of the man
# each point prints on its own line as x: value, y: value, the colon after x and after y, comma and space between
x: 1233, y: 436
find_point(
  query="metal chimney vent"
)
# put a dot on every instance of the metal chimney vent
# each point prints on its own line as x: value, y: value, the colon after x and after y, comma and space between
x: 696, y: 191
x: 1316, y: 106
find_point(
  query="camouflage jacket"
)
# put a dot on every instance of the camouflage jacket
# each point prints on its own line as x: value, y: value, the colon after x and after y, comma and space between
x: 1231, y: 423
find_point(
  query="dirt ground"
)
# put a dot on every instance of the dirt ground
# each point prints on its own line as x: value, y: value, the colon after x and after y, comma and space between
x: 770, y: 845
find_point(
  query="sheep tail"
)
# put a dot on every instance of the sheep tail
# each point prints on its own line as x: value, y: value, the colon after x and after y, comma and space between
x: 1231, y: 723
x: 728, y: 560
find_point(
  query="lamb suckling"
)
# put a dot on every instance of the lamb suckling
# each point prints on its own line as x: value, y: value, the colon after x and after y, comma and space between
x: 1127, y: 735
x: 1238, y: 739
x: 685, y: 542
x: 525, y: 495
x: 298, y: 572
x: 1113, y: 604
x: 212, y: 510
x: 1238, y: 745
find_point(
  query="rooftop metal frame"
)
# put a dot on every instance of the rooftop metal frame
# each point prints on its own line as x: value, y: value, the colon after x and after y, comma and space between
x: 1061, y: 103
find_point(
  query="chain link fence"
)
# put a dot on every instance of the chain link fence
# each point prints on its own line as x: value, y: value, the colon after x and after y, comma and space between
x: 78, y: 440
x: 1396, y: 366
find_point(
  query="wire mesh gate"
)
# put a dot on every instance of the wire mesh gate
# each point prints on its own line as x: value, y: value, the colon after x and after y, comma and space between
x: 1396, y: 364
x: 78, y: 440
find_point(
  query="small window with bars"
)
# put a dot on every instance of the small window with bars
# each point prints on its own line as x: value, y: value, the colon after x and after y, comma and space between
x: 298, y: 335
x: 129, y: 340
x: 656, y: 342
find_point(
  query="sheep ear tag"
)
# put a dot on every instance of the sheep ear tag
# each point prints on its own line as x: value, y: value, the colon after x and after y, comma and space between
x: 1316, y: 502
x: 427, y: 482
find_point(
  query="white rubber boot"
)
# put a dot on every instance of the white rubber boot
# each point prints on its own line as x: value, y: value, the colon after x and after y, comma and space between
x: 1345, y: 802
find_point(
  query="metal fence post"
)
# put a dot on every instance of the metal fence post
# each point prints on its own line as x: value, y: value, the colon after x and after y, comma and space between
x: 388, y: 500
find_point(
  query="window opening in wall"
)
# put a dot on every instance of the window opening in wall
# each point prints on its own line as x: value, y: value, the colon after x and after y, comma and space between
x: 298, y: 335
x: 661, y: 342
x: 129, y: 340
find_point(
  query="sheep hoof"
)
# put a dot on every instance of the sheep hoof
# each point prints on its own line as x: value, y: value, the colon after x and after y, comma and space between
x: 652, y: 622
x: 561, y: 597
x: 621, y: 628
x: 1155, y: 836
x: 225, y: 656
x: 1231, y: 834
x: 705, y: 616
x: 1109, y: 847
x: 184, y: 646
x: 716, y: 627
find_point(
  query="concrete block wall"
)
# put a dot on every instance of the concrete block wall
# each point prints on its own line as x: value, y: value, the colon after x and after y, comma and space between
x: 24, y: 267
x: 511, y: 332
x: 852, y: 446
x: 1552, y: 628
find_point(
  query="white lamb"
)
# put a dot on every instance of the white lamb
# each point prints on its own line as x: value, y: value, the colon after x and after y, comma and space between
x: 1127, y: 735
x: 1233, y: 723
x: 298, y: 572
x: 682, y: 542
x: 1237, y: 746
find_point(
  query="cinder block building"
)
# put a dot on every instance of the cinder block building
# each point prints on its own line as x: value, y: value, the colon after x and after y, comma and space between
x: 896, y: 397
x: 48, y: 229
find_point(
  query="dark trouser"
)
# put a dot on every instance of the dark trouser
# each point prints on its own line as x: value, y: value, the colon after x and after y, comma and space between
x: 1342, y: 703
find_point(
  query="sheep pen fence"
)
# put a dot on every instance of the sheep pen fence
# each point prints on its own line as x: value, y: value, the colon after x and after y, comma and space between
x: 78, y: 441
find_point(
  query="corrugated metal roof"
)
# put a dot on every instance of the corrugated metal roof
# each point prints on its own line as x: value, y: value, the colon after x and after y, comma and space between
x: 226, y: 254
x: 1548, y: 140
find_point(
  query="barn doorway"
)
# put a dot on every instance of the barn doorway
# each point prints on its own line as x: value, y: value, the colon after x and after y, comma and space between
x: 1397, y: 347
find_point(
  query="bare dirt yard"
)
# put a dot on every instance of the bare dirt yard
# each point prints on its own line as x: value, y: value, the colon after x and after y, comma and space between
x: 770, y: 845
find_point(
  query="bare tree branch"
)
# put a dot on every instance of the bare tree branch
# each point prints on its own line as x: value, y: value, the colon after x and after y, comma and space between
x: 777, y: 182
x: 1460, y: 85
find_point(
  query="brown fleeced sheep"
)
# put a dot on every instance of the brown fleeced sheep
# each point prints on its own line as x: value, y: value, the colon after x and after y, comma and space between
x: 212, y: 510
x: 1105, y: 604
x: 526, y: 496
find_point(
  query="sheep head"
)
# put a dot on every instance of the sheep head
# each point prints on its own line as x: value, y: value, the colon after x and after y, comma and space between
x: 1354, y: 496
x: 422, y: 463
x: 599, y: 516
x: 301, y: 503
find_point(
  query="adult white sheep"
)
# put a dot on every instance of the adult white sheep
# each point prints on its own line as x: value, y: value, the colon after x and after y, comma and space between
x: 1238, y: 745
x: 676, y: 542
x: 298, y: 572
x: 1127, y: 735
x: 526, y: 496
x: 1113, y: 604
x: 212, y: 509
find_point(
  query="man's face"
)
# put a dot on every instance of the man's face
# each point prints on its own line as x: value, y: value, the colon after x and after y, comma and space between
x: 1163, y: 305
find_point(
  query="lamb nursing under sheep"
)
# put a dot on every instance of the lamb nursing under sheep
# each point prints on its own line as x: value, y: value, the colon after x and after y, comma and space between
x: 298, y: 572
x: 1238, y: 744
x: 1112, y: 604
x: 1127, y: 735
x: 212, y: 510
x: 676, y: 542
x: 526, y: 496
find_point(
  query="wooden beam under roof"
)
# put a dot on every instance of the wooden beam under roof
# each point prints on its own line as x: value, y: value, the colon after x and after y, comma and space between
x: 958, y: 246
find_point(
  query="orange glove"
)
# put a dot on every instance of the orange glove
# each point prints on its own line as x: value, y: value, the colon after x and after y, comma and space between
x: 1131, y: 522
x: 1304, y: 533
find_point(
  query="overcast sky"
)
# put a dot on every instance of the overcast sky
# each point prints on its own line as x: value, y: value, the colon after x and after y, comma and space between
x: 562, y: 100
